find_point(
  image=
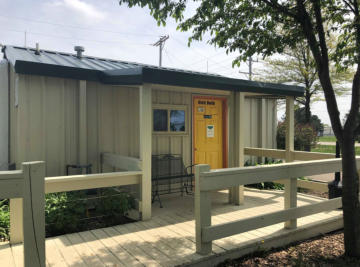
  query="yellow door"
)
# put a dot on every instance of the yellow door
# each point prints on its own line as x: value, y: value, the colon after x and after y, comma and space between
x: 208, y: 132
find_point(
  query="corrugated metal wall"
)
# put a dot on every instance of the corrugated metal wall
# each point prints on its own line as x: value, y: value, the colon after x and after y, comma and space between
x: 112, y: 121
x: 45, y: 123
x: 4, y: 117
x: 254, y: 125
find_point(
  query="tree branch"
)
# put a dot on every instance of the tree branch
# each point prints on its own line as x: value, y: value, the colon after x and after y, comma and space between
x: 274, y: 4
x: 321, y: 34
x: 351, y: 121
x: 349, y: 6
x: 323, y: 71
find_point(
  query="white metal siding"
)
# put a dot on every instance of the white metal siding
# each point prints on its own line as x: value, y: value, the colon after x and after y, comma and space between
x: 112, y: 121
x: 45, y: 124
x: 4, y: 115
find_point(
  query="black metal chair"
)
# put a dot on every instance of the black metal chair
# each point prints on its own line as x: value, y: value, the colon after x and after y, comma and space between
x: 169, y: 175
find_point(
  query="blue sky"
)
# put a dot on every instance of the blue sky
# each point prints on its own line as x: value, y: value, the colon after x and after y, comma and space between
x: 108, y: 30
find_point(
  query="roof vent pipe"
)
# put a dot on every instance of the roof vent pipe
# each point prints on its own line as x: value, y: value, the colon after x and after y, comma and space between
x: 37, y: 50
x: 79, y: 50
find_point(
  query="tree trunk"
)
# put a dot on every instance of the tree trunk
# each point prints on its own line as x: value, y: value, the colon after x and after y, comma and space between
x: 350, y: 197
x: 307, y: 106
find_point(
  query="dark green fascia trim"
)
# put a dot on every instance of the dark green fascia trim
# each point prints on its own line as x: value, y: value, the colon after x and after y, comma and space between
x: 34, y: 68
x: 130, y: 76
x: 143, y: 74
x: 166, y: 77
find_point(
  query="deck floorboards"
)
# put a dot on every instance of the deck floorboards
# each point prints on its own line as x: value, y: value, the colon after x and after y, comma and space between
x: 168, y: 239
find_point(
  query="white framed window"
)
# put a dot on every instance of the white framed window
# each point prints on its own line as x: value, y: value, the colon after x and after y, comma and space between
x: 170, y: 119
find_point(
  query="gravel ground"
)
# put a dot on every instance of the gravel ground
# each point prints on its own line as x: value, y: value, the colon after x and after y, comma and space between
x: 327, y: 250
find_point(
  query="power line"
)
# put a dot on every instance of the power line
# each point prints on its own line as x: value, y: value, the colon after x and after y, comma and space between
x: 175, y: 57
x: 75, y: 26
x: 72, y: 38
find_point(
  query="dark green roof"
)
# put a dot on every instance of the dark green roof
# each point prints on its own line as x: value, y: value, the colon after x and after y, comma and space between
x: 65, y: 65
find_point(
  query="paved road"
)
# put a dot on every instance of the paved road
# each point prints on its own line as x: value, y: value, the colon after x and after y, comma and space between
x: 326, y: 177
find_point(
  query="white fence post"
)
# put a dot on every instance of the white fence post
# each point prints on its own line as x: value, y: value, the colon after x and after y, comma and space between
x: 202, y: 211
x: 34, y: 214
x: 16, y: 221
x: 145, y: 129
x: 290, y: 191
x: 240, y: 121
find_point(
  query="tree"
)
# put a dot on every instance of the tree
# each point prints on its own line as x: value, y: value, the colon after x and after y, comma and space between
x: 267, y: 27
x: 297, y: 66
x: 314, y: 121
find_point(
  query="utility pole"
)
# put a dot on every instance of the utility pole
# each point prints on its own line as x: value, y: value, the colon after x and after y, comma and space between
x: 25, y: 40
x: 250, y: 73
x: 160, y: 44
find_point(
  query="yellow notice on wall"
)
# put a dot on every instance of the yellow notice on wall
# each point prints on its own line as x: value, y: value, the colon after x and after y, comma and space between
x: 210, y: 131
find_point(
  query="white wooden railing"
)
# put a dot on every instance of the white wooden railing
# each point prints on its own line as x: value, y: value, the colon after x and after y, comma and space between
x: 207, y: 181
x: 295, y: 156
x: 27, y: 186
x: 121, y: 162
x: 78, y: 182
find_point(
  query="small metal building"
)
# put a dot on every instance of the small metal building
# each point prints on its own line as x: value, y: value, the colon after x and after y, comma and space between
x: 67, y: 109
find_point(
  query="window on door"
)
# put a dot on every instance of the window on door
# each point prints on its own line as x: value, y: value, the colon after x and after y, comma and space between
x: 169, y: 119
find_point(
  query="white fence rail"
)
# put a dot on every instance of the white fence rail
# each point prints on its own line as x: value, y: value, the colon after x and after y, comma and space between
x: 121, y: 162
x: 281, y: 154
x: 76, y: 182
x: 297, y: 156
x: 27, y: 187
x: 207, y: 181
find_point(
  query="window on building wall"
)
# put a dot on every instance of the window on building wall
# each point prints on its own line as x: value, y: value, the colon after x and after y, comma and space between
x: 160, y: 120
x: 169, y: 119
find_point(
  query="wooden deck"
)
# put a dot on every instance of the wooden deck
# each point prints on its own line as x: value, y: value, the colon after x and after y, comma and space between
x: 168, y: 239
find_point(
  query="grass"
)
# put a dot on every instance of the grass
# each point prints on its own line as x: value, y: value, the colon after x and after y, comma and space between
x: 327, y: 139
x: 330, y: 149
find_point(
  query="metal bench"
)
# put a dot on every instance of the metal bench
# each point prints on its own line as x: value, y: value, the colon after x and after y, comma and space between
x: 169, y: 175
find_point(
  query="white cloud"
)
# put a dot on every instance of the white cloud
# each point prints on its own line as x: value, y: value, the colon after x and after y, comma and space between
x: 82, y: 8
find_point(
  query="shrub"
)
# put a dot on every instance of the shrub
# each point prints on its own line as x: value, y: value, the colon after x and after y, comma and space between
x: 4, y: 219
x: 305, y: 136
x: 63, y: 212
x: 113, y: 203
x: 67, y: 212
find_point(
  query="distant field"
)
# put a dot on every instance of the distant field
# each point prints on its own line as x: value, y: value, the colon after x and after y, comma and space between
x: 327, y: 139
x: 330, y: 149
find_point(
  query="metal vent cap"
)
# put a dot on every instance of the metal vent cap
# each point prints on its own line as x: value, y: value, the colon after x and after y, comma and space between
x: 79, y: 50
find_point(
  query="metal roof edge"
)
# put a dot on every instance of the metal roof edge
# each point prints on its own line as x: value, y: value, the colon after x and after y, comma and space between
x: 52, y: 70
x: 130, y: 76
x: 169, y: 77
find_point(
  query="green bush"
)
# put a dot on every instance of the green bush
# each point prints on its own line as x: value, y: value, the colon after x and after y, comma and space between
x: 304, y: 137
x: 113, y: 204
x: 63, y: 212
x: 68, y: 212
x: 4, y: 219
